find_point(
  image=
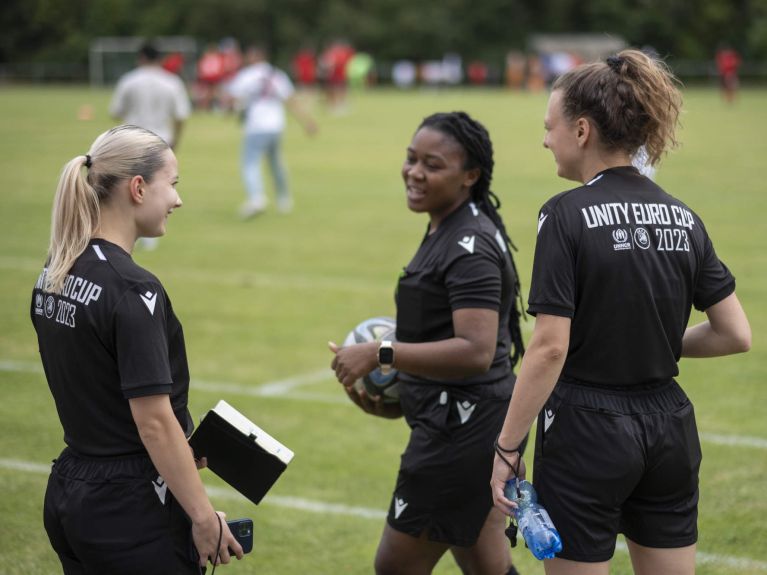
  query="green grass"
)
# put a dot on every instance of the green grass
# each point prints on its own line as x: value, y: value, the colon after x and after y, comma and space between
x: 260, y: 299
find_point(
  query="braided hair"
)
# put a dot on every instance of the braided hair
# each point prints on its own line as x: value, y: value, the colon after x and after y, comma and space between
x: 475, y: 141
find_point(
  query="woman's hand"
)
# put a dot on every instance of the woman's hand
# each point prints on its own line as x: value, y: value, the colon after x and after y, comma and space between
x: 502, y: 472
x: 373, y: 404
x: 206, y: 536
x: 353, y: 361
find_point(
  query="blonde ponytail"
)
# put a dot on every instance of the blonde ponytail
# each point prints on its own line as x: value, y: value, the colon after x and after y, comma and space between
x: 74, y: 219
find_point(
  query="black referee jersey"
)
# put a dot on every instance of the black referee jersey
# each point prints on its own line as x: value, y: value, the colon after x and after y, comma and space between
x: 626, y: 261
x: 109, y: 336
x: 464, y: 264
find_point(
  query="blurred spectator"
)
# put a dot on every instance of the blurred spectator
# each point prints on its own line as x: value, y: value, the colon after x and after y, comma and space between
x: 262, y: 92
x: 515, y: 69
x: 305, y: 67
x: 152, y: 98
x: 333, y: 61
x: 727, y: 65
x: 210, y: 73
x: 535, y: 74
x: 404, y: 73
x: 360, y: 70
x: 477, y: 72
x: 174, y: 63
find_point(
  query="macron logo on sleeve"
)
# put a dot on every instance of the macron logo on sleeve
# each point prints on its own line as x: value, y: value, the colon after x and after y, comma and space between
x: 541, y: 220
x: 149, y: 300
x: 467, y: 243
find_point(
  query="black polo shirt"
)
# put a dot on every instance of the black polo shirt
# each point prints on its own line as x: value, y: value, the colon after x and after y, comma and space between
x: 111, y: 335
x: 464, y: 264
x: 626, y: 261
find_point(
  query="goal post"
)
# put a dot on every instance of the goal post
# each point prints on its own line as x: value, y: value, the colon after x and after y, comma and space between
x: 111, y: 57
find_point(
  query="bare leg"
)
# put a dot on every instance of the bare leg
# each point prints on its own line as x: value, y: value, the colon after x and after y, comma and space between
x: 566, y: 567
x: 651, y: 560
x: 402, y: 554
x: 491, y: 554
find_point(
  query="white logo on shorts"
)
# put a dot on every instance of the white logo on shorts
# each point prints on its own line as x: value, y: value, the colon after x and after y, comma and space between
x: 161, y: 488
x: 548, y: 419
x: 465, y: 409
x: 399, y: 507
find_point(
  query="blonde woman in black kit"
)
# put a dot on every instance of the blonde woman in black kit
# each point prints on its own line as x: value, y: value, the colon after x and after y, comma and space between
x: 125, y: 496
x: 619, y: 264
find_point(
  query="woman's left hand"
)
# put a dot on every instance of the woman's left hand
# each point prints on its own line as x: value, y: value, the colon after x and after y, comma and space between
x: 502, y: 472
x: 353, y: 361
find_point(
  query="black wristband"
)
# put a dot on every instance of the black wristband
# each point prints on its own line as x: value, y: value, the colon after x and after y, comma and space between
x: 502, y: 450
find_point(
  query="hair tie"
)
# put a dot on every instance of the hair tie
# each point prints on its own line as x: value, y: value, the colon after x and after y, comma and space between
x: 88, y: 162
x: 615, y: 63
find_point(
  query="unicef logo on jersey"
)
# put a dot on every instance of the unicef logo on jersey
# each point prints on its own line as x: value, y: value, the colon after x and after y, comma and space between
x: 50, y: 307
x: 620, y: 237
x: 642, y: 238
x: 39, y: 304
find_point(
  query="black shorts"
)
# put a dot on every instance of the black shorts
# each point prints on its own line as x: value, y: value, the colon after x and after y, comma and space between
x: 443, y: 486
x: 114, y: 516
x: 611, y: 461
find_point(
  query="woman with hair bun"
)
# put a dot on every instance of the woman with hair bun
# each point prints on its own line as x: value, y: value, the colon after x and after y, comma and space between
x: 619, y: 264
x: 124, y: 496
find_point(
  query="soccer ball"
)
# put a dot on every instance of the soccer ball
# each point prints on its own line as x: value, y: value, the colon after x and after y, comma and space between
x: 375, y: 383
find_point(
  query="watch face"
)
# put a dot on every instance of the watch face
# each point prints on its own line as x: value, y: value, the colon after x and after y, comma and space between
x: 385, y: 355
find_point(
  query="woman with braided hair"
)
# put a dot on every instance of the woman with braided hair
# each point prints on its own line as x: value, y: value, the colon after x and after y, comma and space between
x: 456, y: 343
x: 619, y: 264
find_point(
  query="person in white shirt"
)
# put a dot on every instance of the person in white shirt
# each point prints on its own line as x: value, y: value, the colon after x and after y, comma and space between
x: 152, y: 98
x: 262, y: 92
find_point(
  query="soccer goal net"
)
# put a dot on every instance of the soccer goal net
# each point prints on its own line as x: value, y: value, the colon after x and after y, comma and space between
x: 111, y: 57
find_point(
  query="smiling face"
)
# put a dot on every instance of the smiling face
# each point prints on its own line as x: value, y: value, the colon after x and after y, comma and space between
x: 160, y: 198
x: 562, y: 139
x: 436, y: 181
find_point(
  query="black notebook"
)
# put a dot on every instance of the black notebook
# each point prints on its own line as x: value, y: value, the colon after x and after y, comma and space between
x: 239, y: 452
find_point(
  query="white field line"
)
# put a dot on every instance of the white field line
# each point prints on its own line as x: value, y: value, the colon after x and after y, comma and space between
x: 248, y: 279
x: 287, y: 389
x: 321, y: 507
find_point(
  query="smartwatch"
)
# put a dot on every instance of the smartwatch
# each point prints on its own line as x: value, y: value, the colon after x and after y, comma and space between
x: 385, y: 357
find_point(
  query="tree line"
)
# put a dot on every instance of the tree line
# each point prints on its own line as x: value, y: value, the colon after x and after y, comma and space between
x: 61, y: 30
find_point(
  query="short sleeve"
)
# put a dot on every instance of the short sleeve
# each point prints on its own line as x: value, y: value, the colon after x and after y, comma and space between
x: 473, y: 272
x: 141, y: 341
x: 552, y: 288
x: 715, y: 282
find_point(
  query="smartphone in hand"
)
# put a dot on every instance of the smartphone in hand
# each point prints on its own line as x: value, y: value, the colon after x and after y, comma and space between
x: 242, y: 529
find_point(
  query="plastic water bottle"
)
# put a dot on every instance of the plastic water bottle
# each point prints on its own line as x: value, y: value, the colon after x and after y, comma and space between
x: 540, y: 535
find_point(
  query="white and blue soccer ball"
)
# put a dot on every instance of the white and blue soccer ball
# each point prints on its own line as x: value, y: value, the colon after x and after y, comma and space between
x: 375, y: 383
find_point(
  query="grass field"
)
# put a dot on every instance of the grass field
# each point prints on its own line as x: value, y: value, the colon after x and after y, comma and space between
x: 260, y: 299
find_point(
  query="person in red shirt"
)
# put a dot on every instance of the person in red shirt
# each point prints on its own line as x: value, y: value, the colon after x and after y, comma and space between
x: 305, y: 67
x: 210, y: 73
x: 727, y: 64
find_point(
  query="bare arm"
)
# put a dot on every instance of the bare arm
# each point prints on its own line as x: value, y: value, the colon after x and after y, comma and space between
x: 727, y: 331
x: 178, y: 127
x: 294, y: 106
x: 538, y: 374
x: 164, y: 440
x: 469, y: 352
